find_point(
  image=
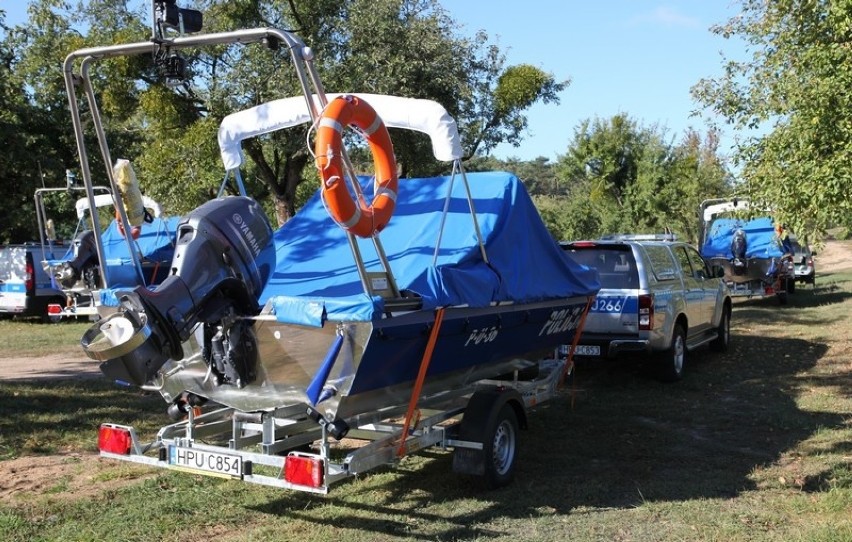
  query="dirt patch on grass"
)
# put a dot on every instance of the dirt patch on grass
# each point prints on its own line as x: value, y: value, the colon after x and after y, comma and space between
x: 64, y: 476
x: 834, y: 256
x: 52, y: 367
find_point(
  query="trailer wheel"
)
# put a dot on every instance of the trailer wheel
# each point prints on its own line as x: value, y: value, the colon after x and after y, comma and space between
x: 671, y: 362
x: 491, y: 418
x: 501, y: 449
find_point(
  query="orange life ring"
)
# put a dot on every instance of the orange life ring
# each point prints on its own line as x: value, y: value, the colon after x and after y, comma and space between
x: 134, y: 230
x: 351, y: 215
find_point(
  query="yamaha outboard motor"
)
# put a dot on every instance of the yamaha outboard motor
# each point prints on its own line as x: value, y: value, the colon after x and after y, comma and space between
x: 85, y: 258
x: 222, y: 260
x: 738, y: 249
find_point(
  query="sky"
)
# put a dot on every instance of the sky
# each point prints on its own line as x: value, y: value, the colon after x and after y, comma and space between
x: 637, y: 57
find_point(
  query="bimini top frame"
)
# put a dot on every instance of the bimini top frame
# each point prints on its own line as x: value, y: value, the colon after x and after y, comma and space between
x: 394, y: 111
x: 83, y: 58
x: 425, y: 116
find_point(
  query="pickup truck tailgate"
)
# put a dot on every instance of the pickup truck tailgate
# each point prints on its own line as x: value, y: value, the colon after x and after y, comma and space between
x: 614, y: 312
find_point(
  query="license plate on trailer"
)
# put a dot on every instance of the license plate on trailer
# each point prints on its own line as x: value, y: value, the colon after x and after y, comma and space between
x: 587, y: 350
x: 206, y: 462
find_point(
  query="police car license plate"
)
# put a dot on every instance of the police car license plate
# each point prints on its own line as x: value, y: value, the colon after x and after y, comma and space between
x: 587, y: 350
x: 206, y: 462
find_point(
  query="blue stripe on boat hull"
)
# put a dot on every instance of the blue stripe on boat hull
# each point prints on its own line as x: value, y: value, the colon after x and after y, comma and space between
x: 468, y: 338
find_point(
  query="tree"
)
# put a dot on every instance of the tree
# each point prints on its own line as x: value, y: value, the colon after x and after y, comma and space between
x: 630, y: 179
x: 604, y: 157
x: 403, y: 47
x: 797, y: 88
x: 35, y: 150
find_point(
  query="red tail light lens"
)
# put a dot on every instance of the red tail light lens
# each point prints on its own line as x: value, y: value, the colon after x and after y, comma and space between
x: 646, y: 312
x: 304, y: 471
x: 114, y: 440
x: 29, y: 278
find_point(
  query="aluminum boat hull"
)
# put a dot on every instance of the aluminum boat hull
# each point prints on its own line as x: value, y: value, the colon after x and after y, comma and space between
x: 378, y: 361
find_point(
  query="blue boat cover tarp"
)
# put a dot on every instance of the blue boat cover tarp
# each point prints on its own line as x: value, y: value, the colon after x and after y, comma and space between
x: 761, y: 240
x: 316, y: 277
x: 156, y: 243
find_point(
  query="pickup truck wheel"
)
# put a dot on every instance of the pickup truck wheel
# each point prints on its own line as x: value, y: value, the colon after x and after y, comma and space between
x: 671, y: 363
x: 720, y: 343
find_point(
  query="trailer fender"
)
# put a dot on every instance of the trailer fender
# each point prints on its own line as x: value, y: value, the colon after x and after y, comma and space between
x: 488, y: 412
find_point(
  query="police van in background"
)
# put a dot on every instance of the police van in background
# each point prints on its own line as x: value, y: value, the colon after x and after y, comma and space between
x: 25, y: 288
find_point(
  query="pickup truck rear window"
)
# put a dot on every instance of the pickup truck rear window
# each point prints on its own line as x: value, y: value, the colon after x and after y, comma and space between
x: 616, y: 266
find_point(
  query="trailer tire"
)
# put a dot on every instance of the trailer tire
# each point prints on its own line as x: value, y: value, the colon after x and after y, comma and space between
x: 501, y: 449
x: 492, y: 418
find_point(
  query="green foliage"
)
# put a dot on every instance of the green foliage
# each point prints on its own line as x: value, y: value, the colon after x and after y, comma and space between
x: 797, y: 88
x: 568, y: 217
x: 634, y: 181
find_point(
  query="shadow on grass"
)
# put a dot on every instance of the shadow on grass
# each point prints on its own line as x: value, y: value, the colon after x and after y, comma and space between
x: 41, y: 416
x: 627, y: 440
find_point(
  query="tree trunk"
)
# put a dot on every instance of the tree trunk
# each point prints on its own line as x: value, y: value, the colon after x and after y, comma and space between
x: 282, y: 184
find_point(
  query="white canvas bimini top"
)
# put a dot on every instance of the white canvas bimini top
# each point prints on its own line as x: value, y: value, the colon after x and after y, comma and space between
x: 425, y: 116
x: 104, y: 200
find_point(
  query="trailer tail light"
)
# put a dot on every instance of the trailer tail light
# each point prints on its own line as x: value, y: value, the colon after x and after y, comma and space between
x: 304, y: 470
x: 114, y: 440
x: 54, y: 309
x: 646, y: 312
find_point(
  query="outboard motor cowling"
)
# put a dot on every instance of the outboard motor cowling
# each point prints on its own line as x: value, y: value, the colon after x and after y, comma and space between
x: 85, y: 256
x: 738, y: 249
x: 222, y: 260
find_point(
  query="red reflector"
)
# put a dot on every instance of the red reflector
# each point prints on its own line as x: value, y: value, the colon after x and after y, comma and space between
x: 303, y: 471
x: 54, y: 308
x: 114, y: 440
x: 769, y: 290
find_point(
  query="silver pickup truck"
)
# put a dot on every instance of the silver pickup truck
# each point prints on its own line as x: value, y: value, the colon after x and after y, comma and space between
x: 658, y: 297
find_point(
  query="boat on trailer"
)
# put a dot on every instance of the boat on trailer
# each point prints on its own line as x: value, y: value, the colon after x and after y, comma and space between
x: 74, y: 267
x: 435, y: 331
x: 747, y: 244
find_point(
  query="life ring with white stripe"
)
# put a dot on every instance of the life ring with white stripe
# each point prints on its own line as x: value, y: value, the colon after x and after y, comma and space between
x: 351, y: 215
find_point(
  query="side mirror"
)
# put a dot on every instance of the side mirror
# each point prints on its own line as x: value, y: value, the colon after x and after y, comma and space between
x: 718, y: 271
